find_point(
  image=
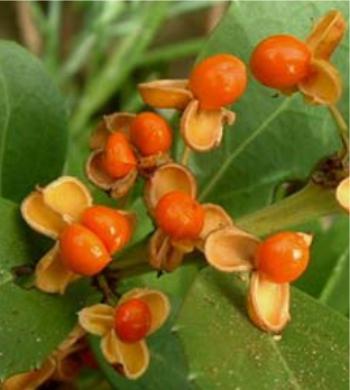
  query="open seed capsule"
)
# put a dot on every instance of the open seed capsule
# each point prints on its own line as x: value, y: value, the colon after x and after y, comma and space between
x: 167, y: 178
x: 166, y: 93
x: 268, y: 303
x: 201, y: 129
x: 231, y: 249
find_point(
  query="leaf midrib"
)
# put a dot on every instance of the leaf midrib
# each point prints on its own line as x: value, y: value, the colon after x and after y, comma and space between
x: 236, y: 152
x: 293, y: 380
x: 6, y: 122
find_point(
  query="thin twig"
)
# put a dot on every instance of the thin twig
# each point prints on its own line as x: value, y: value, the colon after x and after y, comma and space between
x: 186, y: 155
x: 311, y: 202
x: 28, y: 28
x: 39, y: 16
x: 341, y: 125
x: 107, y: 292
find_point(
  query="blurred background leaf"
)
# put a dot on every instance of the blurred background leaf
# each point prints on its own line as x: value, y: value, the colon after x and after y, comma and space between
x: 97, y: 52
x: 33, y: 124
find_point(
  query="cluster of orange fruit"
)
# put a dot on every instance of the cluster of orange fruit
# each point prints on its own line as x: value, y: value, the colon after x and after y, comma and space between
x: 126, y: 144
x: 281, y: 61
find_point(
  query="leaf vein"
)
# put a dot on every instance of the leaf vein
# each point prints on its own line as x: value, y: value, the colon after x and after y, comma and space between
x: 229, y: 160
x: 332, y: 280
x: 293, y: 380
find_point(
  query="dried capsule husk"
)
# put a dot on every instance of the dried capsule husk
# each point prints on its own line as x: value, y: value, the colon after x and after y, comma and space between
x: 326, y: 34
x: 97, y: 175
x: 51, y: 275
x: 119, y: 121
x: 99, y: 136
x: 40, y: 217
x: 53, y: 367
x: 67, y: 369
x: 157, y: 302
x: 201, y: 129
x: 184, y: 246
x: 67, y: 366
x: 166, y: 93
x: 167, y: 178
x: 131, y: 358
x: 122, y: 186
x: 268, y: 303
x: 30, y: 380
x: 117, y: 188
x: 342, y: 194
x: 163, y: 255
x: 68, y: 197
x: 231, y: 249
x: 48, y: 211
x: 147, y: 165
x: 97, y: 319
x: 62, y: 201
x: 95, y: 172
x: 323, y: 85
x: 69, y: 344
x: 215, y: 218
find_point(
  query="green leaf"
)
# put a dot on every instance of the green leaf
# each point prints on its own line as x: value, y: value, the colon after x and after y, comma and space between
x: 32, y: 323
x: 16, y: 240
x: 274, y: 139
x: 33, y: 127
x: 327, y: 277
x: 226, y: 351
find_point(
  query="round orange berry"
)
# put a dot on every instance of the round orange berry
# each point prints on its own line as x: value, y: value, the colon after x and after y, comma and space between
x: 150, y: 133
x: 179, y: 215
x: 283, y: 257
x: 82, y: 251
x: 280, y: 61
x: 112, y: 227
x: 218, y: 81
x: 118, y: 158
x: 132, y: 320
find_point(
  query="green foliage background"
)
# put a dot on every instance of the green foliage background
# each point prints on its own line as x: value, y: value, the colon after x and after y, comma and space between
x: 208, y: 342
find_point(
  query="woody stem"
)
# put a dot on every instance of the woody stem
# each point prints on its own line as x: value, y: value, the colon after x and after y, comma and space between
x: 341, y: 125
x: 103, y: 285
x: 185, y: 155
x: 312, y: 202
